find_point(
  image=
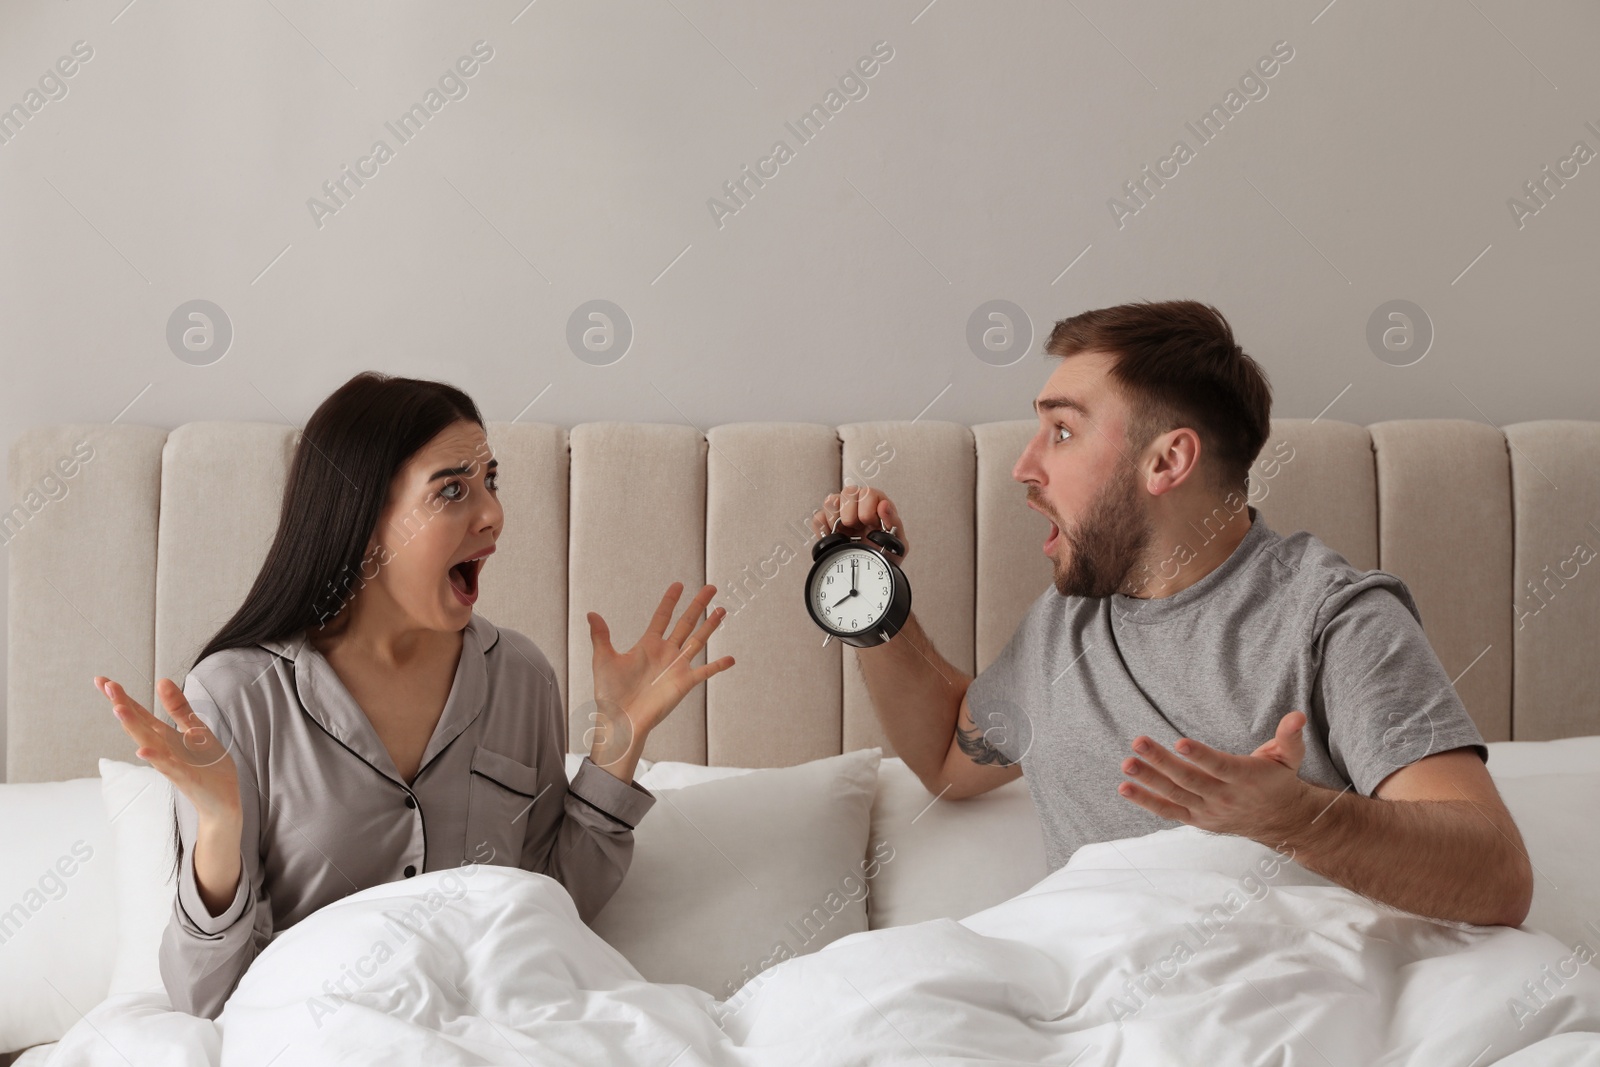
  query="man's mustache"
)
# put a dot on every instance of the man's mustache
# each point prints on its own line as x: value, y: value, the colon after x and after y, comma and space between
x: 1039, y: 501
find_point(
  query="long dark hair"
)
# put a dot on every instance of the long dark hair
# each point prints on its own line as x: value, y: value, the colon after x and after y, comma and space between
x: 355, y: 443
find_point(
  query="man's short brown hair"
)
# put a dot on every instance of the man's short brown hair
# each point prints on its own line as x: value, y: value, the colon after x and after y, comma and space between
x: 1176, y: 363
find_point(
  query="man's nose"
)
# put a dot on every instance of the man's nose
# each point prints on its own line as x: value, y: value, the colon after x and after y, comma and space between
x: 1026, y: 468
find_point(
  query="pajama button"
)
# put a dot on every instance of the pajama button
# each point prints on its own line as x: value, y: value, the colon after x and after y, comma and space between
x: 410, y: 802
x: 410, y: 870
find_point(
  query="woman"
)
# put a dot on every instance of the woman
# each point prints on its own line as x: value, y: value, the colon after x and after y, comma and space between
x: 356, y: 722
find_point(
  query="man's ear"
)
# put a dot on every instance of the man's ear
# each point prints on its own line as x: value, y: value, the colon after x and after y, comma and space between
x: 1175, y: 458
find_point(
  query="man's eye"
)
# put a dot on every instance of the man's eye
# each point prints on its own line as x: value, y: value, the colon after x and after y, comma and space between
x: 1057, y: 437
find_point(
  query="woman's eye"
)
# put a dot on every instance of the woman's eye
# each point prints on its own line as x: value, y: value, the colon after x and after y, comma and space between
x: 445, y: 492
x: 492, y: 481
x: 1057, y: 437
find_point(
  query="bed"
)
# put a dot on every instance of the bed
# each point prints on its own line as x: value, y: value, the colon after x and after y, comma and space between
x: 800, y: 898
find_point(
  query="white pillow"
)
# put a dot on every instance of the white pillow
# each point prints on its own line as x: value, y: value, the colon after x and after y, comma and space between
x: 737, y: 873
x: 1569, y: 755
x: 922, y: 866
x: 574, y: 759
x: 947, y: 859
x: 57, y: 917
x: 1556, y: 815
x: 138, y: 804
x: 666, y: 774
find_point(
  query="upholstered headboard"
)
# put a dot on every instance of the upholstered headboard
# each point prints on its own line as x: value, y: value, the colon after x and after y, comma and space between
x: 131, y: 545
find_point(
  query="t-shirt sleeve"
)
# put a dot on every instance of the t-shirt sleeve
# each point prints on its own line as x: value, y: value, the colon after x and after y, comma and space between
x: 1380, y: 692
x: 998, y: 696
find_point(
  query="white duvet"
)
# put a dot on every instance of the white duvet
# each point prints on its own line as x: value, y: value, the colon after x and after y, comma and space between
x: 1177, y: 948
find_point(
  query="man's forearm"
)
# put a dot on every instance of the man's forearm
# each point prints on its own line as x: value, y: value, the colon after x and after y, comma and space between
x: 917, y: 694
x: 1445, y: 859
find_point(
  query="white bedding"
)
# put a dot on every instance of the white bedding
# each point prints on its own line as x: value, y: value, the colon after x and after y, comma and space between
x: 1280, y: 967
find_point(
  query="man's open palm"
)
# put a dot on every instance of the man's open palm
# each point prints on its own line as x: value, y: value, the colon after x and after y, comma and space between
x: 1288, y: 744
x: 1258, y: 796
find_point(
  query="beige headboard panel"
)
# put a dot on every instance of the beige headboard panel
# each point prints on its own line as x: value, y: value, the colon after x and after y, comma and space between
x: 127, y: 565
x: 1444, y: 524
x: 1555, y: 602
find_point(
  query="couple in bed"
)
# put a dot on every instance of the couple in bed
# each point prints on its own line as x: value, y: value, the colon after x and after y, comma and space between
x: 357, y: 723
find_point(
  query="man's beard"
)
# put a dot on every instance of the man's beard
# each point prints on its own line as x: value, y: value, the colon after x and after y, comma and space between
x: 1107, y: 544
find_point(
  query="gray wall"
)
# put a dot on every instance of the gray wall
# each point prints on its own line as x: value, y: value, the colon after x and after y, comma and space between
x: 978, y: 163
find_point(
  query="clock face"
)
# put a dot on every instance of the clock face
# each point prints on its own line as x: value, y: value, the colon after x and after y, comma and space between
x: 853, y: 592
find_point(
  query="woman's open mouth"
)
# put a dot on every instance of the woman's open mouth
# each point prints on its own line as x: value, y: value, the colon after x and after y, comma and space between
x: 463, y: 577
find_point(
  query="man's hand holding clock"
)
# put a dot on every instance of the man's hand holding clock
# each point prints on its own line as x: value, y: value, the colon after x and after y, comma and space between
x: 860, y: 544
x: 858, y: 509
x: 917, y: 694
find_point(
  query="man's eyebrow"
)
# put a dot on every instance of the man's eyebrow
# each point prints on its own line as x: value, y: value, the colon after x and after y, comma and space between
x: 1051, y: 403
x: 465, y: 469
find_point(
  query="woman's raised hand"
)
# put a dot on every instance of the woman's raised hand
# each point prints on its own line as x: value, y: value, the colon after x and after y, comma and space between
x: 192, y: 759
x: 647, y: 681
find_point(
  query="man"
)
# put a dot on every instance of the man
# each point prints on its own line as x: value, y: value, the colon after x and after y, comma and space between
x: 1181, y: 625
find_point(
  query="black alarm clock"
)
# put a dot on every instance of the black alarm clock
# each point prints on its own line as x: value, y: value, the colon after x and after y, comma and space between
x: 855, y: 592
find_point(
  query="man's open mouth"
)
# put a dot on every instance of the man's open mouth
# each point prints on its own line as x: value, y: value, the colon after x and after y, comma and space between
x: 1055, y: 530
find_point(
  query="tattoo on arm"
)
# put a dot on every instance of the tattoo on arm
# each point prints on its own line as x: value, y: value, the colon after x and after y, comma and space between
x: 978, y: 749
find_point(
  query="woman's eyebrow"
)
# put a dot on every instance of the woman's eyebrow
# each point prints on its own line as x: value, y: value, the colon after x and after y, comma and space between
x: 463, y: 469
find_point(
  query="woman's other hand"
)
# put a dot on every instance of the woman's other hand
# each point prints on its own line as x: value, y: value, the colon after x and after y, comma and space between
x: 192, y: 759
x: 639, y: 687
x: 202, y: 769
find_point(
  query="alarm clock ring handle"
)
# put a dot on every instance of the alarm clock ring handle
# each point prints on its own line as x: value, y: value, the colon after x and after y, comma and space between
x: 891, y: 544
x: 862, y: 511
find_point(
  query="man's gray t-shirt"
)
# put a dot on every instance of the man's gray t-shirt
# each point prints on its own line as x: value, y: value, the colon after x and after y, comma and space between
x: 1283, y: 624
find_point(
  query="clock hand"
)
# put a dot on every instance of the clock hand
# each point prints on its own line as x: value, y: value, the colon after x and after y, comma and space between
x: 853, y: 576
x: 847, y: 596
